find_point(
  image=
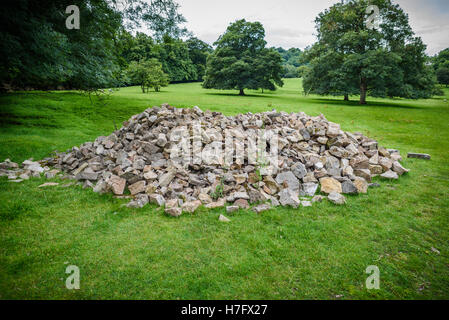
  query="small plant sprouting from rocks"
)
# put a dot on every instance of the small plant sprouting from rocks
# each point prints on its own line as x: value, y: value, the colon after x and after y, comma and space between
x: 218, y: 193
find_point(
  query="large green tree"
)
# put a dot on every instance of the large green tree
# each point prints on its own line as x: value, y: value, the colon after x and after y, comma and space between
x: 241, y: 61
x: 352, y: 57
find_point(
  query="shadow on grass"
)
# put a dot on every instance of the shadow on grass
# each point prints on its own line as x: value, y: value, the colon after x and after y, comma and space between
x: 354, y: 103
x: 247, y: 95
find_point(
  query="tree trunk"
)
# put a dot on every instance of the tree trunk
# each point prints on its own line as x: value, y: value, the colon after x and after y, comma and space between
x: 143, y: 88
x: 363, y: 89
x: 346, y: 97
x: 241, y: 93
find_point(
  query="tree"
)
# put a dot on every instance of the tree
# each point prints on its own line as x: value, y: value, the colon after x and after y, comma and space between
x: 175, y: 59
x: 291, y: 60
x: 241, y: 61
x: 440, y: 64
x: 443, y: 75
x: 156, y: 78
x: 147, y: 74
x: 350, y: 58
x: 198, y: 53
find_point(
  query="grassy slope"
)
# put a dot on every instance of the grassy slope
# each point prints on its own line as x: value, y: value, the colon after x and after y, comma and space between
x: 316, y: 252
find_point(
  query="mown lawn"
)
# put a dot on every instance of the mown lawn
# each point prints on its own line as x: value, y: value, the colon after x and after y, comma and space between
x: 307, y: 253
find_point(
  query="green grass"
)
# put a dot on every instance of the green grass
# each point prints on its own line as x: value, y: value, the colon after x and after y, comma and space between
x: 307, y: 253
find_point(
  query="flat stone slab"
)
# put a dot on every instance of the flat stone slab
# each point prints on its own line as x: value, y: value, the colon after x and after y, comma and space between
x: 424, y: 156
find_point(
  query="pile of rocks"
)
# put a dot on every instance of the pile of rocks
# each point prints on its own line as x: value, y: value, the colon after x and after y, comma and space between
x: 313, y: 155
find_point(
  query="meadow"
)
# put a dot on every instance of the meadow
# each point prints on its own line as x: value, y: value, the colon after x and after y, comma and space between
x: 320, y: 252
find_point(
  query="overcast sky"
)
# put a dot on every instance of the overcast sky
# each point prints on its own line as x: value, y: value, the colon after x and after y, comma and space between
x: 289, y: 23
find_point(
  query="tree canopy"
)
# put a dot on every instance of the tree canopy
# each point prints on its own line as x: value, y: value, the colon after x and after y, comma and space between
x: 39, y: 51
x: 241, y: 61
x: 147, y: 74
x: 441, y: 66
x: 291, y: 61
x: 350, y: 58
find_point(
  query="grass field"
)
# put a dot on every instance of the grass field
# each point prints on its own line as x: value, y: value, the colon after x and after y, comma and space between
x: 307, y: 253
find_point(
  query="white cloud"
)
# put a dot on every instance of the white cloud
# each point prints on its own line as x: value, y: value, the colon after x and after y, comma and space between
x: 290, y: 23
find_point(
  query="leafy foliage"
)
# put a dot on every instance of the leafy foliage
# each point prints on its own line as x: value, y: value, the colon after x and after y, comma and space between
x: 441, y: 66
x: 291, y: 60
x: 148, y: 74
x: 39, y: 51
x: 241, y: 61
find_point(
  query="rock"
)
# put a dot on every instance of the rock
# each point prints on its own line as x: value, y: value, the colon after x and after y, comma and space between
x: 87, y: 175
x: 317, y: 198
x: 261, y: 208
x: 165, y: 179
x: 230, y: 209
x: 329, y: 185
x: 117, y: 184
x: 174, y: 211
x: 139, y: 202
x: 306, y: 203
x: 418, y: 155
x: 8, y: 164
x: 359, y: 162
x: 157, y: 199
x: 390, y: 175
x: 150, y: 175
x: 220, y: 203
x: 24, y: 176
x: 161, y: 140
x: 385, y: 163
x: 222, y: 218
x: 48, y: 184
x: 205, y: 198
x: 255, y: 196
x: 399, y: 169
x: 238, y: 195
x: 80, y: 169
x: 364, y: 173
x: 375, y: 169
x: 137, y: 187
x: 287, y: 197
x: 373, y: 185
x: 241, y: 203
x: 336, y: 198
x: 191, y: 206
x: 299, y: 170
x: 361, y: 185
x: 309, y: 188
x: 288, y: 180
x: 50, y: 174
x: 241, y: 178
x: 348, y: 187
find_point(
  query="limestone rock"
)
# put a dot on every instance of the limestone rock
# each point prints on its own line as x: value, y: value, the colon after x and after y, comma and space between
x: 287, y: 197
x: 361, y: 185
x: 329, y: 185
x: 390, y: 175
x: 336, y: 198
x: 348, y: 187
x: 222, y: 218
x: 288, y: 180
x: 191, y: 206
x: 174, y: 211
